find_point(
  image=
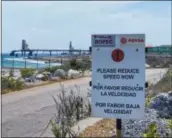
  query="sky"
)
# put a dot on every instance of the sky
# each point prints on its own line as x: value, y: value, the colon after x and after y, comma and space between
x: 53, y: 24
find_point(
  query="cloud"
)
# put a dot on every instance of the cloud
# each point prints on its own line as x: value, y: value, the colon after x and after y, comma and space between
x: 53, y: 24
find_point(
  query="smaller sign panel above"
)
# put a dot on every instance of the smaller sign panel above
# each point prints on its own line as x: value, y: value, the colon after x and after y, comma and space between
x: 103, y: 40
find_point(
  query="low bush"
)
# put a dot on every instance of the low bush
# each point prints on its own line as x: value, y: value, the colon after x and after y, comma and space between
x: 52, y: 69
x: 45, y: 76
x: 11, y: 73
x: 83, y: 65
x: 148, y: 100
x: 170, y: 126
x: 151, y: 131
x: 10, y: 84
x: 26, y: 73
x: 66, y: 67
x: 71, y: 108
x: 74, y: 64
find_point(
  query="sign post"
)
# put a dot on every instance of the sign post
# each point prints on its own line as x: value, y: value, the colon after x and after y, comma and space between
x: 118, y: 128
x: 118, y: 77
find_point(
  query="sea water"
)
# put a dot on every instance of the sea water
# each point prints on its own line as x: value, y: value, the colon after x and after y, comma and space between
x: 21, y: 62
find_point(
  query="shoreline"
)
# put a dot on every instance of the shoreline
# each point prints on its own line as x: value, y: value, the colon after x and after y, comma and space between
x: 17, y: 68
x: 10, y: 68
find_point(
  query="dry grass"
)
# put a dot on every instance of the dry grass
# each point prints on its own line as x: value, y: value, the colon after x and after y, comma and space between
x: 103, y: 128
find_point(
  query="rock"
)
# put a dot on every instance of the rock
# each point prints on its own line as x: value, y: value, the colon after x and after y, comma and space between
x: 73, y: 73
x: 162, y: 103
x: 30, y: 79
x: 136, y: 128
x: 27, y: 80
x: 170, y: 93
x: 39, y: 76
x: 60, y: 73
x: 55, y: 78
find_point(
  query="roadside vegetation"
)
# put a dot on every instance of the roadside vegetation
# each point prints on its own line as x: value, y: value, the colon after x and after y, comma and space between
x: 9, y: 84
x: 70, y: 70
x: 170, y: 126
x: 151, y: 132
x: 71, y: 107
x: 26, y: 73
x: 106, y: 127
x: 84, y: 64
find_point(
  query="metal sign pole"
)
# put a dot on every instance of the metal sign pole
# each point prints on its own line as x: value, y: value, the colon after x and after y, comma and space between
x: 118, y: 128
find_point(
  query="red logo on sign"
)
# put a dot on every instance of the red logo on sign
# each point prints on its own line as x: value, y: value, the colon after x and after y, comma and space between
x: 117, y: 55
x: 123, y: 40
x: 131, y: 40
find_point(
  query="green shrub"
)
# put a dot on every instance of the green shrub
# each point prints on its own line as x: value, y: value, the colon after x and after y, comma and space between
x: 169, y: 121
x: 83, y: 65
x: 10, y: 84
x: 45, y: 77
x: 71, y: 107
x: 4, y: 83
x: 52, y: 69
x: 151, y: 131
x: 73, y: 64
x: 148, y: 100
x: 56, y: 130
x: 11, y: 73
x: 66, y: 67
x: 170, y: 124
x: 26, y: 73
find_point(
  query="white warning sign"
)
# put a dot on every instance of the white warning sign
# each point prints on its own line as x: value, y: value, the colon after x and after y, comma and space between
x: 118, y: 79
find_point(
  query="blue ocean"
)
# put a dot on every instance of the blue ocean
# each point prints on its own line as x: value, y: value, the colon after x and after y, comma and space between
x: 8, y: 61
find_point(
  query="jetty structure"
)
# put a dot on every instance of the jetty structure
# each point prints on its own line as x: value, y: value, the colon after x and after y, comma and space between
x: 26, y: 51
x: 49, y: 55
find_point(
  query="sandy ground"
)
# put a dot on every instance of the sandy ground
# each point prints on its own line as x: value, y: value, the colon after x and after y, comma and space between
x: 27, y: 113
